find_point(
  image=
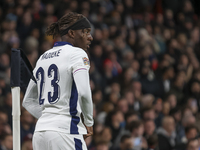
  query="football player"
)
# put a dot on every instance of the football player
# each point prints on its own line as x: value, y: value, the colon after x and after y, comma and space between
x: 62, y: 92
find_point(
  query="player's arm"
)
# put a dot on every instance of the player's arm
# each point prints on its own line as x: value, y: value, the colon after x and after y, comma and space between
x: 30, y: 101
x: 80, y: 70
x: 81, y: 77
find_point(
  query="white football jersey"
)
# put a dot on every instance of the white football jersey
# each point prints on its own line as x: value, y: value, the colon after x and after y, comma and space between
x: 57, y: 92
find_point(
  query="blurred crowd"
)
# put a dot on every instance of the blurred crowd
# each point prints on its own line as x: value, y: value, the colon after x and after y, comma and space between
x: 144, y: 73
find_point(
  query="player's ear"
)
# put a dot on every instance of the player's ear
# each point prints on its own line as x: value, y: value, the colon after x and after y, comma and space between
x: 71, y: 33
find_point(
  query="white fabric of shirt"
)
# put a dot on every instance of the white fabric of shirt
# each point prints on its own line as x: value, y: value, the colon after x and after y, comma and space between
x: 70, y: 74
x: 51, y: 140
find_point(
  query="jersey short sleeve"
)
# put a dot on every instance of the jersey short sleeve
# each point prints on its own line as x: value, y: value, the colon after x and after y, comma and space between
x: 79, y: 60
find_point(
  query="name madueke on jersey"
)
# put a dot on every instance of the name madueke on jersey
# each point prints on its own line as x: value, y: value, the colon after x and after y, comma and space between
x: 51, y: 55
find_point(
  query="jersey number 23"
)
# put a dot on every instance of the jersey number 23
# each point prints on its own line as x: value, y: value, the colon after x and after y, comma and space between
x: 53, y: 76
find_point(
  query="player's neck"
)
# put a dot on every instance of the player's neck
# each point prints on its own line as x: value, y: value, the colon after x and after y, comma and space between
x: 67, y: 39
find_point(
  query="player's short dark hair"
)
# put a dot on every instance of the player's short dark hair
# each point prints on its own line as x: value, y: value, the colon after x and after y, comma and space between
x: 63, y: 23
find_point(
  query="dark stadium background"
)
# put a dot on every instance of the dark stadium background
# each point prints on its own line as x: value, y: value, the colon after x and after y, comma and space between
x: 144, y: 75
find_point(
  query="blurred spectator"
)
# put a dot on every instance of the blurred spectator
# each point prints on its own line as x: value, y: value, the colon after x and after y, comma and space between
x: 136, y: 129
x: 180, y: 133
x: 158, y: 108
x: 177, y: 88
x: 166, y: 134
x: 172, y: 101
x: 97, y: 97
x: 97, y: 57
x: 27, y: 142
x: 127, y: 78
x: 166, y: 108
x: 125, y: 143
x: 191, y: 132
x: 102, y: 146
x: 105, y: 136
x: 27, y: 124
x: 131, y: 116
x: 25, y: 25
x: 148, y: 113
x: 150, y: 84
x: 153, y: 142
x: 187, y: 118
x: 115, y: 120
x: 192, y: 104
x: 5, y: 128
x: 107, y: 107
x: 136, y: 88
x: 129, y: 96
x: 7, y: 142
x: 193, y: 144
x: 167, y: 76
x: 122, y: 105
x: 115, y: 66
x: 149, y: 128
x: 147, y: 100
x: 8, y: 107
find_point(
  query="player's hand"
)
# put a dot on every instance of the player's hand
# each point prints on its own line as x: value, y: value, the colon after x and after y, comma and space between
x: 89, y: 132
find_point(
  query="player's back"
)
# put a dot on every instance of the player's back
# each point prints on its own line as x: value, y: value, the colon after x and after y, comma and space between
x: 57, y: 91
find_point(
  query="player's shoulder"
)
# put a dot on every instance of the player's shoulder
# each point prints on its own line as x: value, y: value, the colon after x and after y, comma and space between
x: 78, y: 52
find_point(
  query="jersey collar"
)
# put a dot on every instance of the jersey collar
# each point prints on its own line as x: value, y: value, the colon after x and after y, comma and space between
x: 61, y: 44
